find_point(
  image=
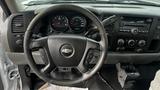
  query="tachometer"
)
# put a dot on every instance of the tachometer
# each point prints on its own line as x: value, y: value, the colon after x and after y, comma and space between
x: 60, y: 23
x: 78, y: 24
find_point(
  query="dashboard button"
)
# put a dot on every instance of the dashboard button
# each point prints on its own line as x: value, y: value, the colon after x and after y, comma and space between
x: 149, y: 20
x: 158, y: 27
x: 18, y: 36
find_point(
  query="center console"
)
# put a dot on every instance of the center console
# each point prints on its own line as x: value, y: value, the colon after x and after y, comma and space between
x: 131, y: 34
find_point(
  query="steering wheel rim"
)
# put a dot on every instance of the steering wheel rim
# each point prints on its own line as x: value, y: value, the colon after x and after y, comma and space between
x: 103, y: 43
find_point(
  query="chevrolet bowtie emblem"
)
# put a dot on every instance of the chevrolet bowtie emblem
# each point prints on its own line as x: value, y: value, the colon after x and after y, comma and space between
x: 67, y: 50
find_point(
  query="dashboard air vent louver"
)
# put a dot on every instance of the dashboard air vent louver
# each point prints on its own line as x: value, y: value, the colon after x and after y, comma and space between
x: 18, y: 24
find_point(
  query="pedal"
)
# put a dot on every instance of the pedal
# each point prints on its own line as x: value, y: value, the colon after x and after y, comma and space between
x: 132, y: 72
x: 127, y: 74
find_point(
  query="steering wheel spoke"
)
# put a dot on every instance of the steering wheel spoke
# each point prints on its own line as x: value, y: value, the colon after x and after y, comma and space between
x: 81, y: 67
x: 47, y: 69
x: 38, y: 43
x: 46, y: 57
x: 93, y: 44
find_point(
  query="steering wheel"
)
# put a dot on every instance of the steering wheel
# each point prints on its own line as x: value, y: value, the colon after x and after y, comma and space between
x: 65, y: 50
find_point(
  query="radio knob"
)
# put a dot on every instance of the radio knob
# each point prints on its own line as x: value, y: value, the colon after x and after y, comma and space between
x: 142, y: 43
x: 131, y: 43
x: 134, y: 31
x: 120, y: 42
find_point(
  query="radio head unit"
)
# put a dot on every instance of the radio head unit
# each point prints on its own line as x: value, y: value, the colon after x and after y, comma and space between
x: 134, y: 25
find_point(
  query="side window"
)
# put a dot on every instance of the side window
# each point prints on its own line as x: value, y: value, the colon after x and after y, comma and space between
x: 1, y: 20
x: 1, y: 15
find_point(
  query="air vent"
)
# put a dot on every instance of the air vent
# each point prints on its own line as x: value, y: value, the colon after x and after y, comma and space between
x: 18, y: 24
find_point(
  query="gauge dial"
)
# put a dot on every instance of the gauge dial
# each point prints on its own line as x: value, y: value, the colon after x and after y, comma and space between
x: 78, y: 24
x: 60, y: 23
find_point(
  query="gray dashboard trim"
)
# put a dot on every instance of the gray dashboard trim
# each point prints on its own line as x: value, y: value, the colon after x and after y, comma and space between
x: 113, y: 58
x: 4, y: 34
x: 19, y: 58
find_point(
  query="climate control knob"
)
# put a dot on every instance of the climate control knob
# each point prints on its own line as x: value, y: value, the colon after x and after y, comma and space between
x: 131, y: 43
x: 120, y: 42
x: 142, y: 43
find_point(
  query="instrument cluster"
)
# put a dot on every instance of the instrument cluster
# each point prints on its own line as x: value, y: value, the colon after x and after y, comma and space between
x: 63, y: 23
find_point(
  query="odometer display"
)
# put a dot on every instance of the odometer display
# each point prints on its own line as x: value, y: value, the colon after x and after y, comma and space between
x: 60, y: 23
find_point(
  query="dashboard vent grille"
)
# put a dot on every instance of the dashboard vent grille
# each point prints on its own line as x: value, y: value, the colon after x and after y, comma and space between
x: 18, y: 24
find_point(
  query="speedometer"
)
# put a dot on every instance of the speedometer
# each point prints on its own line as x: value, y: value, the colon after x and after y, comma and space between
x: 78, y: 24
x: 60, y: 23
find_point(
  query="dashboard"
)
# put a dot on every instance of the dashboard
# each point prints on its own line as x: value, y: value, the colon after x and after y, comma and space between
x: 131, y: 37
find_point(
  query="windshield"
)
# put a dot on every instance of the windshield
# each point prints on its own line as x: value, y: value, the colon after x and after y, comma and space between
x: 38, y: 2
x: 26, y: 3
